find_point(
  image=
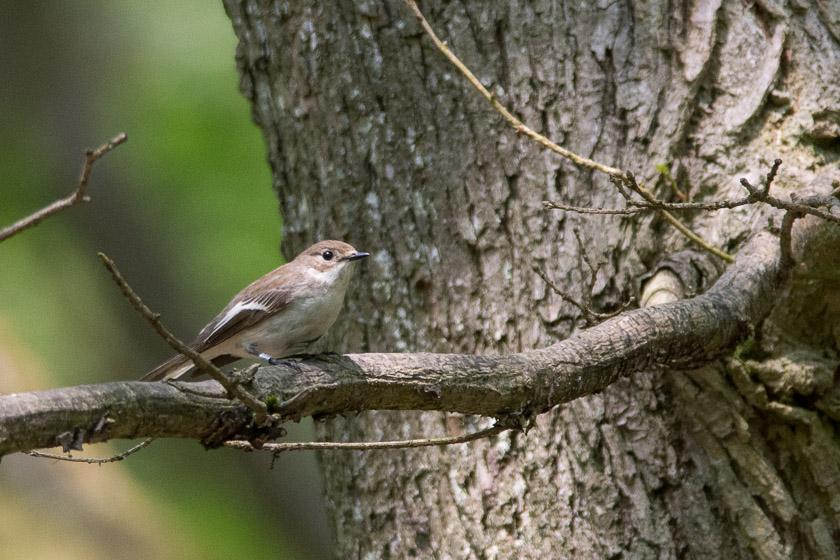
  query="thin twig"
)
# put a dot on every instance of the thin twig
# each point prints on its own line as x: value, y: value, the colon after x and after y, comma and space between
x: 94, y: 460
x: 588, y: 315
x: 682, y: 228
x: 809, y: 205
x: 679, y: 206
x: 771, y: 175
x: 618, y: 182
x: 621, y: 178
x: 594, y: 317
x: 648, y: 196
x: 584, y: 210
x: 76, y: 197
x: 755, y: 194
x: 638, y: 206
x: 805, y: 208
x: 521, y: 127
x: 584, y: 254
x: 798, y: 210
x: 232, y: 387
x: 278, y: 448
x: 593, y: 277
x: 563, y: 295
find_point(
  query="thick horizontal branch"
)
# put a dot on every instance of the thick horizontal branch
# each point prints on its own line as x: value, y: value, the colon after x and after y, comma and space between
x: 684, y: 333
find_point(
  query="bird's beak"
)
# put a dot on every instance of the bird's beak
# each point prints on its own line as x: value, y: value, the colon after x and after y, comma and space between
x: 356, y: 256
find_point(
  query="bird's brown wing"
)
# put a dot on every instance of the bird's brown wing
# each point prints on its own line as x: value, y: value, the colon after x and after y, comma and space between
x: 240, y: 314
x: 250, y: 306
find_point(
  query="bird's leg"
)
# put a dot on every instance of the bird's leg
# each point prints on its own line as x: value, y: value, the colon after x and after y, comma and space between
x: 290, y: 361
x: 262, y: 355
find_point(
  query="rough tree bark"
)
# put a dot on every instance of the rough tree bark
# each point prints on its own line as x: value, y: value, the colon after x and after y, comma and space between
x: 373, y: 137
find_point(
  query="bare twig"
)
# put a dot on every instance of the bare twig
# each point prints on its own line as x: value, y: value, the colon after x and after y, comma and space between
x: 593, y: 276
x: 584, y: 254
x: 278, y: 448
x: 771, y: 175
x: 795, y: 208
x: 563, y: 295
x: 638, y: 206
x: 807, y: 206
x: 187, y: 389
x: 798, y: 210
x: 591, y: 317
x: 94, y: 460
x: 607, y: 211
x: 232, y: 387
x: 811, y: 208
x: 755, y: 195
x: 75, y: 198
x: 648, y: 196
x: 754, y: 192
x: 619, y: 182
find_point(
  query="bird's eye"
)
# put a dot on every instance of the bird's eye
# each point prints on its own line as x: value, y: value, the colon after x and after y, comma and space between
x: 328, y: 255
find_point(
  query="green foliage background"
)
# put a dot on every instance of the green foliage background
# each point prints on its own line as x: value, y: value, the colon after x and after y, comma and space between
x: 186, y: 210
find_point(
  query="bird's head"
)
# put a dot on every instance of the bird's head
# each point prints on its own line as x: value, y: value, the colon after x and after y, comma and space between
x: 327, y: 256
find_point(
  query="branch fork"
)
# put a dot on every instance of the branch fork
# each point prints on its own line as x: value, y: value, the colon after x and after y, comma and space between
x: 75, y: 198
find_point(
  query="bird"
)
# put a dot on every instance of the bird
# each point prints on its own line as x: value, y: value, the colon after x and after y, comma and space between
x: 277, y: 316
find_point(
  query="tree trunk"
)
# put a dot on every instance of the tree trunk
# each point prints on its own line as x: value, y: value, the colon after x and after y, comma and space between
x: 375, y: 138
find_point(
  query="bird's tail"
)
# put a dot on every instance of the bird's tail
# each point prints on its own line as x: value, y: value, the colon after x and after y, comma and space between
x: 176, y: 366
x: 170, y: 369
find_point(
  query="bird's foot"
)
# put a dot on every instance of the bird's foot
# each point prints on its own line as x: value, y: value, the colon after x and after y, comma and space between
x: 302, y: 357
x: 289, y: 362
